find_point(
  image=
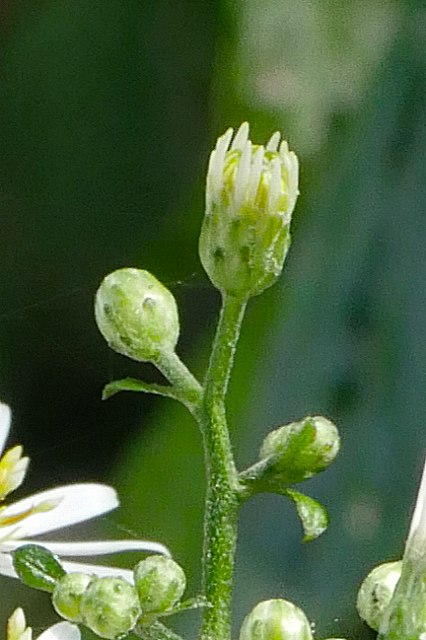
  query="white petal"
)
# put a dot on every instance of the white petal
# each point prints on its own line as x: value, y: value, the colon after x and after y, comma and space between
x: 418, y: 521
x: 61, y: 631
x: 273, y: 141
x: 242, y: 175
x: 5, y: 419
x: 98, y: 570
x: 255, y: 171
x: 216, y: 167
x: 7, y: 569
x: 76, y: 503
x: 241, y: 137
x: 6, y: 566
x: 91, y: 548
x: 275, y: 184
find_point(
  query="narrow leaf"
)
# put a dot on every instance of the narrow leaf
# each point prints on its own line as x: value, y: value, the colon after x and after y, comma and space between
x: 197, y: 602
x: 312, y: 514
x: 133, y: 384
x: 37, y: 567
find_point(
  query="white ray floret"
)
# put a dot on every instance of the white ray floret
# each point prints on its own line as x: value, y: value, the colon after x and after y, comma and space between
x: 275, y: 186
x: 274, y: 141
x: 255, y: 173
x: 218, y: 161
x: 418, y: 522
x: 242, y: 175
x: 241, y: 137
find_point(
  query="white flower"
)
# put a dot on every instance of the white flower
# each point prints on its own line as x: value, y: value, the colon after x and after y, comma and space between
x: 17, y: 629
x: 54, y: 509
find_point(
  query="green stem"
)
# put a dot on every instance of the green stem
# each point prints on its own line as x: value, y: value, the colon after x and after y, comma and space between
x: 221, y: 510
x: 188, y: 389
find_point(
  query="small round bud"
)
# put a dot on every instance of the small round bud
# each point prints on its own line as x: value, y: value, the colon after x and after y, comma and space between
x: 299, y: 450
x: 136, y: 314
x: 160, y: 583
x: 276, y: 620
x: 110, y: 607
x: 250, y: 196
x: 376, y: 592
x: 66, y: 597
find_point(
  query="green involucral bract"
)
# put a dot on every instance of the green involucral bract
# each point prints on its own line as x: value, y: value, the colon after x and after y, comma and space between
x: 250, y: 196
x: 376, y: 592
x: 110, y: 607
x: 276, y: 620
x: 137, y: 315
x: 68, y: 593
x: 299, y: 450
x: 160, y: 583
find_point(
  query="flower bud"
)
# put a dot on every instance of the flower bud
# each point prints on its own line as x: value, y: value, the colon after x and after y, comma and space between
x: 299, y: 450
x: 110, y: 607
x: 160, y: 583
x: 250, y: 196
x: 66, y: 597
x: 136, y: 314
x: 276, y: 620
x: 376, y: 592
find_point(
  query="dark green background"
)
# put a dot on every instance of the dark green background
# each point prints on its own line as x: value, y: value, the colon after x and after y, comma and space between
x: 108, y: 110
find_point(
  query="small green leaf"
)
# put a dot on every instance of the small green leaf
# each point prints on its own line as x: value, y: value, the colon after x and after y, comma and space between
x: 37, y: 567
x: 313, y: 515
x: 125, y: 384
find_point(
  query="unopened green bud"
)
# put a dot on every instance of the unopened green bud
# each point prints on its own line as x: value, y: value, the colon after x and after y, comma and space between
x: 376, y: 592
x: 110, y: 607
x: 299, y: 450
x: 137, y: 315
x: 276, y: 620
x: 160, y: 583
x: 250, y: 196
x: 68, y: 593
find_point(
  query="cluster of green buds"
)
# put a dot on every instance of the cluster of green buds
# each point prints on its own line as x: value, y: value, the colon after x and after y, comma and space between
x: 250, y: 196
x: 277, y: 620
x: 111, y: 607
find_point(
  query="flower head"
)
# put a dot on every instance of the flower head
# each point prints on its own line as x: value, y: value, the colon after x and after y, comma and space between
x: 17, y: 629
x: 250, y: 196
x: 54, y: 509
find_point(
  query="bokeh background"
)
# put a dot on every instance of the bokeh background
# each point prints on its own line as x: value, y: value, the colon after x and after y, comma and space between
x: 108, y: 110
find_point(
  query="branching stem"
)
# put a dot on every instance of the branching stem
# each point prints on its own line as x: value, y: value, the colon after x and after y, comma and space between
x: 222, y: 501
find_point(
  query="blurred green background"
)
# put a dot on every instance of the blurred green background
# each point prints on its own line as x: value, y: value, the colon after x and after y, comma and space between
x: 108, y: 110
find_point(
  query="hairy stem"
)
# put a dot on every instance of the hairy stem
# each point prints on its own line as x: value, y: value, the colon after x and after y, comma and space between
x: 221, y: 511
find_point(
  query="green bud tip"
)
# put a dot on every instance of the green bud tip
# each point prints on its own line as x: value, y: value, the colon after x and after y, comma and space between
x: 137, y: 315
x: 110, y: 607
x: 250, y: 196
x: 160, y: 583
x: 66, y: 597
x: 301, y: 449
x: 376, y: 592
x: 276, y: 620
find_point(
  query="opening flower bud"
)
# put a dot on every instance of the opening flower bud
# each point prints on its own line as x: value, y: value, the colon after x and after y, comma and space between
x: 299, y: 450
x: 160, y: 583
x: 250, y: 196
x: 376, y: 592
x: 276, y: 620
x: 66, y: 597
x: 110, y: 607
x: 136, y: 314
